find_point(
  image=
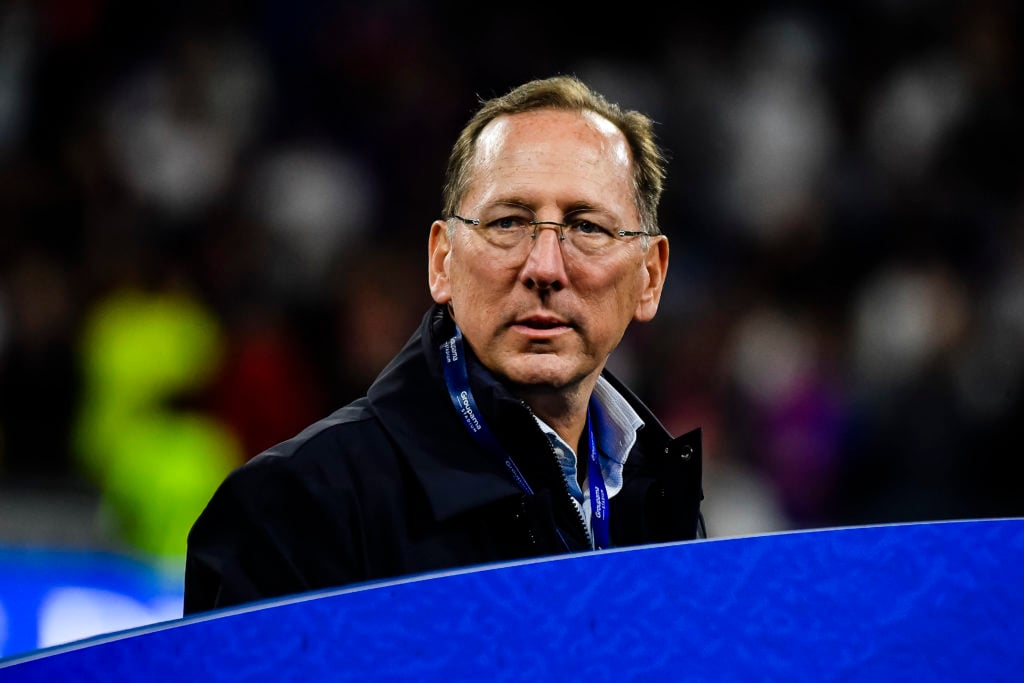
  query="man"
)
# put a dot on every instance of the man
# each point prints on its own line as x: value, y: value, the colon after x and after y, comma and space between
x: 496, y: 433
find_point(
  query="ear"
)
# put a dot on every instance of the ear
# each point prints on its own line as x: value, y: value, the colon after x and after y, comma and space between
x: 438, y: 248
x: 655, y: 270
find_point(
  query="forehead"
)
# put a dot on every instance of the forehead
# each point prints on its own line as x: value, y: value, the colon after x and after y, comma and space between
x: 552, y: 154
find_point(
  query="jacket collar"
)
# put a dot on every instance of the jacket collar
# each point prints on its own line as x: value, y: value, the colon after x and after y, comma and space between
x: 411, y: 399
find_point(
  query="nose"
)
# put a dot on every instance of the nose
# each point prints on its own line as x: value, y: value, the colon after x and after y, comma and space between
x: 545, y: 264
x: 553, y: 225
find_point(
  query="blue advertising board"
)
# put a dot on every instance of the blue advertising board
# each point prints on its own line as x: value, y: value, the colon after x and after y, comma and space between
x: 55, y: 596
x: 937, y: 602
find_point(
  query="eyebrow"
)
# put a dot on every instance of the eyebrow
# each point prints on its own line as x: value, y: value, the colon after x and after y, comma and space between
x: 572, y: 209
x: 512, y: 201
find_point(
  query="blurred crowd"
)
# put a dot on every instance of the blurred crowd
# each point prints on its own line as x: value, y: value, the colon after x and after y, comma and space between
x: 213, y: 222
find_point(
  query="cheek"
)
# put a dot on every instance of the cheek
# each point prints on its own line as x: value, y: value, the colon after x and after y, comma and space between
x: 618, y: 285
x: 476, y: 271
x: 475, y: 280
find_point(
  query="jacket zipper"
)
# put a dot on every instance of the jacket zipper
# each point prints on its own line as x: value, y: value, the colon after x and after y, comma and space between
x: 522, y: 513
x: 565, y: 486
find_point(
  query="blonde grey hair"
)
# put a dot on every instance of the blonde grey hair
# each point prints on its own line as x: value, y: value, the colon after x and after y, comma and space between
x: 571, y: 94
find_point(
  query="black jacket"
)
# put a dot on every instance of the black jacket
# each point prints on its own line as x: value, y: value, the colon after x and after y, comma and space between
x: 394, y: 484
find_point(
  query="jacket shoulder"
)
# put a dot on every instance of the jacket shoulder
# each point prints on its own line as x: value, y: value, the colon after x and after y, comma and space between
x: 333, y: 450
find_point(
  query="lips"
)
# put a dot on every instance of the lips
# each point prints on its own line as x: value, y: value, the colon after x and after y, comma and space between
x: 541, y: 322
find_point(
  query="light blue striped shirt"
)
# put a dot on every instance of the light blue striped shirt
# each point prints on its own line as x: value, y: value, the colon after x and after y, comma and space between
x: 615, y: 427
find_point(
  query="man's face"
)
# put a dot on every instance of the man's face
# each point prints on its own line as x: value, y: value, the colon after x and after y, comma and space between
x: 545, y: 318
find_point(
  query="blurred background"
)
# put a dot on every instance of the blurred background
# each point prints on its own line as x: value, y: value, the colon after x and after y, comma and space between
x: 213, y: 223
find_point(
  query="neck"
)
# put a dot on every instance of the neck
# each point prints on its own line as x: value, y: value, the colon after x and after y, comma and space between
x: 563, y: 411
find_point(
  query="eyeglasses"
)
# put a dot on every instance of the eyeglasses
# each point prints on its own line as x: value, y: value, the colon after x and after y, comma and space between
x: 508, y: 230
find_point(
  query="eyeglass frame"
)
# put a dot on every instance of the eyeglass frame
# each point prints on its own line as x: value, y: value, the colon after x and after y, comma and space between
x: 561, y: 228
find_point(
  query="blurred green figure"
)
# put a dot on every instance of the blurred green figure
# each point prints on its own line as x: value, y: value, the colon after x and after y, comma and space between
x: 147, y: 357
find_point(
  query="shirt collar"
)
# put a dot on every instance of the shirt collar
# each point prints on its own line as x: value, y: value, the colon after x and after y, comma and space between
x: 616, y: 424
x: 618, y: 420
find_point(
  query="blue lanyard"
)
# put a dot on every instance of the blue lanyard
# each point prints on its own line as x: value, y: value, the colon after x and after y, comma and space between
x: 457, y: 379
x: 598, y: 493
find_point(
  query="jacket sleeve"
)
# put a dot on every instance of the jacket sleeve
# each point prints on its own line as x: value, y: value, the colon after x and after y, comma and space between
x: 264, y: 534
x: 230, y: 557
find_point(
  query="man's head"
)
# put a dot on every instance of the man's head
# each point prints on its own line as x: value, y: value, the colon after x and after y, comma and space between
x: 549, y: 246
x: 570, y: 94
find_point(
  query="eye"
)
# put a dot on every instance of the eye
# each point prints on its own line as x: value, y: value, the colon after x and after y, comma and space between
x: 585, y: 227
x: 509, y: 223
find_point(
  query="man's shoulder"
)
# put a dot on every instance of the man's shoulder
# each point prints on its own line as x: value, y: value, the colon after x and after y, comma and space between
x: 354, y: 418
x: 339, y: 442
x: 336, y: 463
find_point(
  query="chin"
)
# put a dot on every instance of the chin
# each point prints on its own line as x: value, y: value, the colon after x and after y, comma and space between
x: 540, y: 373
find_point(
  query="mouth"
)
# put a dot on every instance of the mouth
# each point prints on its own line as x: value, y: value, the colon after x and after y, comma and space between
x: 535, y: 325
x: 541, y: 324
